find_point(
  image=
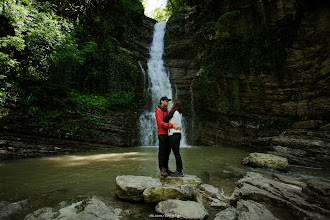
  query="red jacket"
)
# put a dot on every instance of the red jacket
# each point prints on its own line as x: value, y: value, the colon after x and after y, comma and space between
x: 162, y: 126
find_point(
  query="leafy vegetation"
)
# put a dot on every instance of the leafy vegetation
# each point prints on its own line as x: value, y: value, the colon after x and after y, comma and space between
x: 161, y: 14
x: 52, y: 63
x: 222, y: 22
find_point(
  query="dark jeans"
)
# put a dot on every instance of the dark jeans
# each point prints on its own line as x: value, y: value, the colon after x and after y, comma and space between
x: 175, y: 145
x: 164, y: 151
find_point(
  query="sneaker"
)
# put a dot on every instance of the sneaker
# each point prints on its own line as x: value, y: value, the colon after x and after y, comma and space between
x: 169, y: 172
x: 163, y: 172
x: 177, y: 174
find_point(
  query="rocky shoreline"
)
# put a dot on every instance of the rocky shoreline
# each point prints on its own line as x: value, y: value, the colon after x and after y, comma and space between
x: 256, y: 196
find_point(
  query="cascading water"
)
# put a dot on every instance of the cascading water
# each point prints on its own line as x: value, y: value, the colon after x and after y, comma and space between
x: 159, y: 86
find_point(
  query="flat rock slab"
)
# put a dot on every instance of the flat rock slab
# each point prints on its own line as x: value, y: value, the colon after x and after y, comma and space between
x: 131, y: 187
x: 162, y: 193
x: 185, y: 180
x: 227, y: 214
x: 266, y: 160
x: 257, y: 187
x: 253, y: 211
x: 182, y: 209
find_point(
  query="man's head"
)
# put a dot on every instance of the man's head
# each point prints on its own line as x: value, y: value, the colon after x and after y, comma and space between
x: 164, y: 101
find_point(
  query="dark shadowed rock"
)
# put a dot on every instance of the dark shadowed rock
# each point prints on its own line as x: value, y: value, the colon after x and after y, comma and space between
x: 318, y: 191
x: 311, y: 124
x: 8, y: 210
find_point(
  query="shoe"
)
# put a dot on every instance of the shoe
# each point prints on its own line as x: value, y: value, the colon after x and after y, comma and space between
x: 177, y: 174
x: 163, y: 172
x: 169, y: 172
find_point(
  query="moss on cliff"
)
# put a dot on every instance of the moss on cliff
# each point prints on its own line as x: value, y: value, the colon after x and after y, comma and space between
x: 228, y: 62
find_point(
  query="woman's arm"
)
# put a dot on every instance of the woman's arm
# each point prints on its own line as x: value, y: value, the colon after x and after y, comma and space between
x: 168, y: 117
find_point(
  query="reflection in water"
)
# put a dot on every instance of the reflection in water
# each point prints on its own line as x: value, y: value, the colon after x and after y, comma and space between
x: 95, y: 173
x: 74, y: 160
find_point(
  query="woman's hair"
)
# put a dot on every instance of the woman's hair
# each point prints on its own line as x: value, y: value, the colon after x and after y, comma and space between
x: 176, y: 105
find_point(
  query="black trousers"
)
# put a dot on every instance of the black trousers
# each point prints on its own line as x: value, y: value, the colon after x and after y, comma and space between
x: 175, y: 145
x: 163, y: 151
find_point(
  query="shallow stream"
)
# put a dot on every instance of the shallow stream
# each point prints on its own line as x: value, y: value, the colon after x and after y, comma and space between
x: 50, y: 180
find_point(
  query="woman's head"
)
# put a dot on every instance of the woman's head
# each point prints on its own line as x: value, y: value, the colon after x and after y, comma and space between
x: 176, y: 105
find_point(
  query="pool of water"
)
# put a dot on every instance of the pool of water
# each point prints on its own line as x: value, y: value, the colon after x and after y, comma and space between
x: 65, y: 177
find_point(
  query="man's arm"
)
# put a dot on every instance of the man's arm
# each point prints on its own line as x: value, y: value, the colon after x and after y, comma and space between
x: 161, y: 123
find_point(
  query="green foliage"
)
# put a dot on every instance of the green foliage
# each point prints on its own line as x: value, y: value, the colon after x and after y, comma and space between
x: 134, y: 5
x: 91, y: 103
x: 161, y: 14
x: 176, y: 4
x: 51, y: 64
x: 29, y: 53
x: 222, y: 22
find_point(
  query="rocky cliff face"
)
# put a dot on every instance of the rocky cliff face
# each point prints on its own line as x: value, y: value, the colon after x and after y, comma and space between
x: 247, y: 69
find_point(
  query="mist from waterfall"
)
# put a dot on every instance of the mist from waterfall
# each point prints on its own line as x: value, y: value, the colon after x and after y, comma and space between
x: 158, y: 86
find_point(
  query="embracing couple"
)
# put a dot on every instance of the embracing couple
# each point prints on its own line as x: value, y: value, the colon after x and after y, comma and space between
x: 169, y: 135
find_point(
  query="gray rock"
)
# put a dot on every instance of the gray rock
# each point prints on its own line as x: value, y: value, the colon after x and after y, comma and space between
x: 3, y: 204
x: 218, y: 204
x: 266, y: 160
x: 211, y: 190
x: 325, y: 127
x: 41, y: 214
x: 161, y: 193
x: 93, y: 208
x: 211, y: 196
x: 227, y: 214
x: 311, y: 124
x: 289, y: 151
x: 253, y: 211
x: 8, y: 209
x: 131, y: 187
x: 289, y: 180
x: 236, y: 124
x: 186, y: 179
x: 318, y: 191
x: 257, y: 187
x: 302, y: 148
x: 182, y: 209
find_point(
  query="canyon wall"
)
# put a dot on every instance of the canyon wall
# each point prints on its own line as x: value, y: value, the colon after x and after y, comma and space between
x: 250, y: 70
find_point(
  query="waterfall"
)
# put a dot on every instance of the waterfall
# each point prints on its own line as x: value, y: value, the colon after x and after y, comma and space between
x: 159, y: 86
x: 192, y: 105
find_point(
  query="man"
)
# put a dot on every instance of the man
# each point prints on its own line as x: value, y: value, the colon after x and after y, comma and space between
x: 164, y: 144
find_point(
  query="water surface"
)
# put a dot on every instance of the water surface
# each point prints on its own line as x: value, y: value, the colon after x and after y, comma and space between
x: 67, y: 177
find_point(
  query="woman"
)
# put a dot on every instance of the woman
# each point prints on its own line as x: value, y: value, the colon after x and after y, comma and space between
x: 175, y: 117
